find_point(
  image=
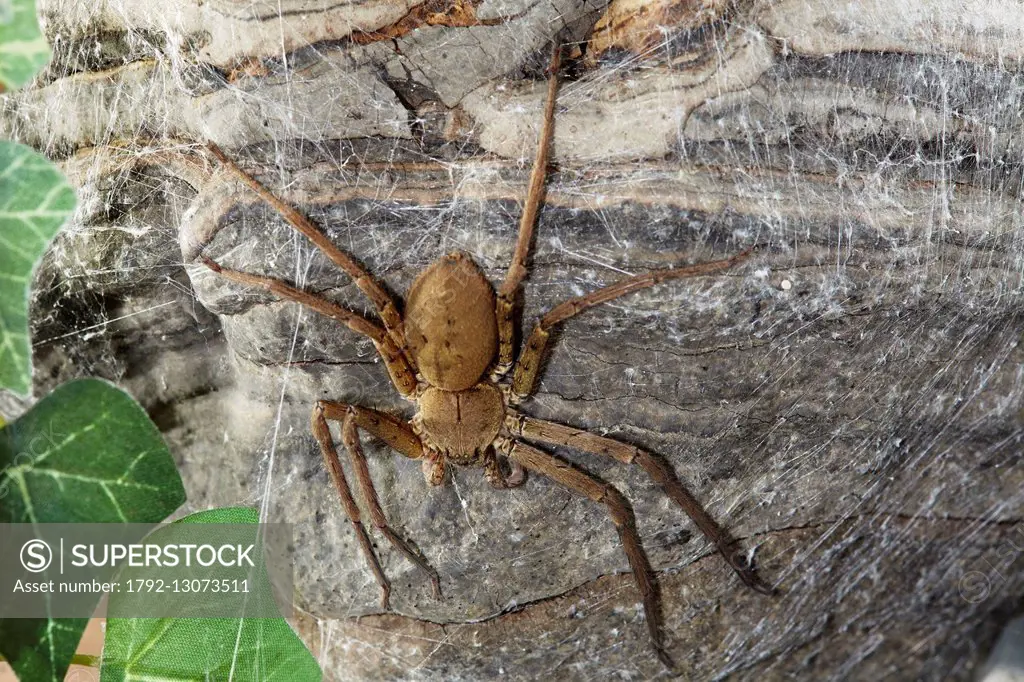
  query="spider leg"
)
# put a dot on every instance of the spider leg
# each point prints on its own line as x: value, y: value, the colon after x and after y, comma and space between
x: 528, y: 366
x: 402, y: 375
x: 622, y: 516
x: 399, y: 437
x: 662, y: 474
x: 517, y: 269
x: 364, y: 280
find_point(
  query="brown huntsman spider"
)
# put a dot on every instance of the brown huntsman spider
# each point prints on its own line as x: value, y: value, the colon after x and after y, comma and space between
x: 452, y: 354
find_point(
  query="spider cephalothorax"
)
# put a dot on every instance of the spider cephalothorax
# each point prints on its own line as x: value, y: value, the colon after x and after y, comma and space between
x: 451, y: 355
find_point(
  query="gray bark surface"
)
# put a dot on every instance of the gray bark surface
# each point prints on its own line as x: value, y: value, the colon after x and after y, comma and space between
x: 847, y: 403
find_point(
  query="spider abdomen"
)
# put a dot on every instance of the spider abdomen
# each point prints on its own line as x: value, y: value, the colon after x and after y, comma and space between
x: 450, y: 323
x: 461, y: 424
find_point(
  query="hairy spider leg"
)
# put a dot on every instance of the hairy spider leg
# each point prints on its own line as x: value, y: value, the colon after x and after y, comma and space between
x: 585, y: 484
x: 380, y: 298
x: 397, y: 363
x: 524, y: 378
x: 660, y: 472
x: 395, y: 434
x: 517, y: 269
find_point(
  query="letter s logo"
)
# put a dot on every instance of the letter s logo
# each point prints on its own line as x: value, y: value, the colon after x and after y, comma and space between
x: 36, y: 556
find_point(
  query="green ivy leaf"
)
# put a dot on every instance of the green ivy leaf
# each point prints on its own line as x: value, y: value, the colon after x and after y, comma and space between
x: 178, y: 649
x: 23, y: 50
x: 85, y: 453
x: 35, y: 200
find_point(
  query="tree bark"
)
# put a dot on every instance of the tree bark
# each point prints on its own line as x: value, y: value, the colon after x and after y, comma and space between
x: 847, y: 403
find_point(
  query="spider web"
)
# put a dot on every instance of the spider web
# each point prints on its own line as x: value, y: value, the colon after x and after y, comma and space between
x: 847, y: 404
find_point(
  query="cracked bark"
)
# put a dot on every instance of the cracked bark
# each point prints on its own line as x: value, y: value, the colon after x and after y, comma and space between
x: 848, y: 402
x: 562, y: 631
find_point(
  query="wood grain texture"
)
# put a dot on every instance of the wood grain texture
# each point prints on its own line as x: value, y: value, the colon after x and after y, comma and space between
x: 848, y: 403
